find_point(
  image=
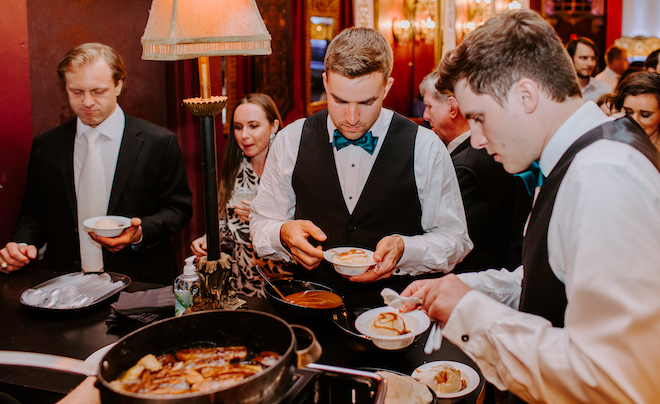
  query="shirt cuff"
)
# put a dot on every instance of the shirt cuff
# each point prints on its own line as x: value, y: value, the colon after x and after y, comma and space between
x: 410, y: 259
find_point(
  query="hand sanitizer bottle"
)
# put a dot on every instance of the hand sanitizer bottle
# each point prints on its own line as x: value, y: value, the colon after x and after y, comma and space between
x: 186, y: 286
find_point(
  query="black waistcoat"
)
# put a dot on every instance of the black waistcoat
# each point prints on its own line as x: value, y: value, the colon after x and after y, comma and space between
x: 542, y: 293
x: 389, y: 203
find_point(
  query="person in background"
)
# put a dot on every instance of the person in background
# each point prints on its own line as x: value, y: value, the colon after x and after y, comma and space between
x: 137, y: 170
x: 362, y: 176
x: 496, y: 203
x: 579, y: 321
x: 652, y: 62
x: 253, y: 126
x: 584, y: 54
x: 639, y: 97
x: 616, y: 60
x: 633, y: 67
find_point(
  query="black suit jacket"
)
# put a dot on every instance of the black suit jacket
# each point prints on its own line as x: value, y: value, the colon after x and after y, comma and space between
x: 496, y: 206
x: 150, y: 183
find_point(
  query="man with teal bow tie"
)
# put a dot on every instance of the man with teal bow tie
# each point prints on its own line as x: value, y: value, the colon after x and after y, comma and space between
x: 359, y: 175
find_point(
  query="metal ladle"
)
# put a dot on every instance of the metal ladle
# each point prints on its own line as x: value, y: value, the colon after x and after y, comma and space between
x: 263, y: 275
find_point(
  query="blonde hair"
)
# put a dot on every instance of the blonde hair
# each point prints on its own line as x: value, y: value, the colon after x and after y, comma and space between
x: 357, y: 52
x: 89, y: 53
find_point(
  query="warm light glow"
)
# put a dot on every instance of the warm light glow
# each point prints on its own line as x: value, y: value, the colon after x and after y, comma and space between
x: 405, y: 24
x: 514, y: 5
x: 179, y: 29
x: 430, y: 23
x: 470, y: 25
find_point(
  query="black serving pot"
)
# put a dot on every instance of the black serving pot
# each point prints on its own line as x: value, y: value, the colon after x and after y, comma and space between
x: 288, y: 287
x: 256, y: 330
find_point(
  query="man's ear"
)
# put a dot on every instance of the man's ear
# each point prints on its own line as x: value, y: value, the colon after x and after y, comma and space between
x: 453, y: 107
x: 526, y: 92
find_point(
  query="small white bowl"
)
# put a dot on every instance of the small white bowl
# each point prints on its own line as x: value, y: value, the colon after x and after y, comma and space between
x: 416, y: 321
x: 122, y: 223
x: 346, y: 268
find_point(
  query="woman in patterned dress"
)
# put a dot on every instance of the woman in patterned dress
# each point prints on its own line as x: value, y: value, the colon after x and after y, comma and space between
x: 253, y: 126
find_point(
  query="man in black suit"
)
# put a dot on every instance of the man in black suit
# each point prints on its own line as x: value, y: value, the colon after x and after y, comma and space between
x: 143, y: 177
x: 496, y: 204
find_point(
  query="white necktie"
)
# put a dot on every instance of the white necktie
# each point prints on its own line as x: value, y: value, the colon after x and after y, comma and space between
x: 92, y: 202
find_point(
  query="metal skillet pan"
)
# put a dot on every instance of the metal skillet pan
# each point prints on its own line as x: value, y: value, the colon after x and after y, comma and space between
x: 256, y: 330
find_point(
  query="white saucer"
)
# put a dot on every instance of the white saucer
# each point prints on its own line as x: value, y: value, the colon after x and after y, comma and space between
x: 467, y: 373
x: 97, y: 355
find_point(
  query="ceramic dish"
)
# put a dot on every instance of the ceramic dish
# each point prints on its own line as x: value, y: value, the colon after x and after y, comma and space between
x: 434, y: 397
x: 121, y: 221
x: 467, y: 373
x: 62, y: 283
x: 416, y: 321
x: 357, y: 266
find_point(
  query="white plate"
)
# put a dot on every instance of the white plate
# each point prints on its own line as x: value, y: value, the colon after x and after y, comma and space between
x: 467, y: 373
x: 417, y: 320
x: 97, y: 355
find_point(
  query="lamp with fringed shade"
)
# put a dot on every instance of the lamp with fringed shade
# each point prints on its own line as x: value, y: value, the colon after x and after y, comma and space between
x: 198, y: 29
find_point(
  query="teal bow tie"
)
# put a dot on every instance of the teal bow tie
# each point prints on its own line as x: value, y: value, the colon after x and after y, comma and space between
x: 532, y: 177
x: 367, y: 142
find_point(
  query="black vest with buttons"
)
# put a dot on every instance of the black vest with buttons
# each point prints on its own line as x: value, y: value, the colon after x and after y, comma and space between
x: 389, y: 203
x: 542, y: 293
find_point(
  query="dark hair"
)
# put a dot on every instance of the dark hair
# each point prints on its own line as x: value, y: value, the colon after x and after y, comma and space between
x: 89, y: 53
x: 572, y: 45
x: 632, y: 68
x: 233, y: 155
x: 509, y: 47
x: 637, y: 83
x: 652, y: 59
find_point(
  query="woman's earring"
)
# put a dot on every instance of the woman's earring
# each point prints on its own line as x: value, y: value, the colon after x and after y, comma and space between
x: 270, y: 142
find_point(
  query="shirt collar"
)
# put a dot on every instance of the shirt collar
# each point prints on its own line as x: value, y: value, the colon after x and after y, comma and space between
x: 111, y: 127
x: 378, y: 129
x: 587, y: 117
x: 457, y: 141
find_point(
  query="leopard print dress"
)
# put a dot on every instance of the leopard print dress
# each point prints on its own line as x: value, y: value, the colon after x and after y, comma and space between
x: 236, y: 238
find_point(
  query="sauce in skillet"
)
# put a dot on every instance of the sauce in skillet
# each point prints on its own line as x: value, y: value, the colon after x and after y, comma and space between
x: 315, y: 299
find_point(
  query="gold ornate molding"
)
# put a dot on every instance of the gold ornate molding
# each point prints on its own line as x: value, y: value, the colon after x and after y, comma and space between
x: 639, y: 45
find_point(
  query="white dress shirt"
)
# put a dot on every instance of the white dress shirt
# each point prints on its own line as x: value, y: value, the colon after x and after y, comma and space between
x: 609, y: 77
x: 457, y: 141
x: 594, y: 89
x: 603, y: 244
x: 112, y: 129
x: 445, y: 241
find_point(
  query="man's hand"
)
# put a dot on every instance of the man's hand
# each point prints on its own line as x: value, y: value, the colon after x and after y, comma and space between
x: 85, y: 393
x: 439, y: 296
x: 388, y: 252
x: 14, y: 256
x: 293, y: 235
x: 126, y: 238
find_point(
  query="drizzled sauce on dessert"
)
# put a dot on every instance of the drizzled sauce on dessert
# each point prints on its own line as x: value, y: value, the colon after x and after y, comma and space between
x: 389, y: 324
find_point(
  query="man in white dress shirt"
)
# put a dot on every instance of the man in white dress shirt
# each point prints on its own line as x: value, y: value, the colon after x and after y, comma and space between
x: 616, y: 59
x: 584, y: 54
x: 321, y: 189
x: 579, y: 320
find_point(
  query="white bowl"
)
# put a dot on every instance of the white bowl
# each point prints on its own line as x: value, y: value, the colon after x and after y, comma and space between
x: 416, y: 321
x: 347, y: 268
x: 122, y: 223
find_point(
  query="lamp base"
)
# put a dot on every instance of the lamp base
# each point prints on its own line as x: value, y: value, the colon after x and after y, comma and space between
x: 205, y: 106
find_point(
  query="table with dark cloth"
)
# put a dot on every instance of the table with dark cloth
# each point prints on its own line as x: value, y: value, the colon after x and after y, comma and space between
x: 79, y: 333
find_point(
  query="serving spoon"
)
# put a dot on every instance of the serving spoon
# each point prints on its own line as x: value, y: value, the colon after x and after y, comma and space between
x: 263, y: 275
